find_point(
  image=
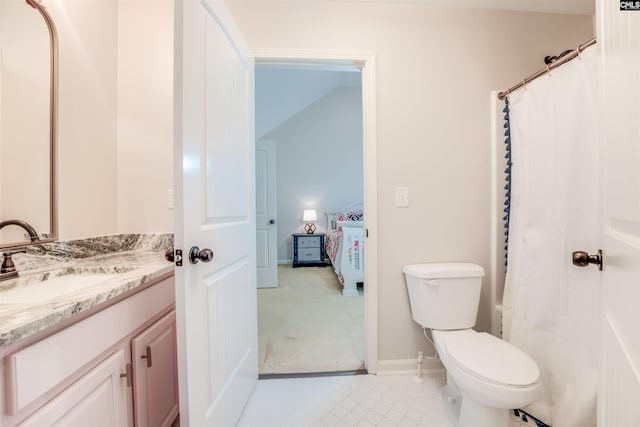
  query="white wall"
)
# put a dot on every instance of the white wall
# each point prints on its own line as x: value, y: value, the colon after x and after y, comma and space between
x: 145, y: 115
x: 319, y: 162
x: 435, y: 69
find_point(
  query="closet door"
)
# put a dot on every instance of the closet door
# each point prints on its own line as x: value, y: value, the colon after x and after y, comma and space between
x: 266, y: 212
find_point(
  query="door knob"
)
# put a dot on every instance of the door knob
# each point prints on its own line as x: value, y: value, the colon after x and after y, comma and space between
x: 272, y: 221
x: 583, y: 259
x: 196, y: 255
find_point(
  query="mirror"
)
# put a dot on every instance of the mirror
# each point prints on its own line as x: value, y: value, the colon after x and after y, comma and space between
x: 28, y: 122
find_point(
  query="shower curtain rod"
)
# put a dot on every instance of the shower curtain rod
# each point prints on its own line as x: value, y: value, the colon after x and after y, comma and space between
x: 541, y: 72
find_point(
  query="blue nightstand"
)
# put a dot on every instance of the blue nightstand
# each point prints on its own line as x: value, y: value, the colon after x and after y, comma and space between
x: 308, y: 250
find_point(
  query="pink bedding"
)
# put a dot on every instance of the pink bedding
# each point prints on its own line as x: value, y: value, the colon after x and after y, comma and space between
x: 334, y: 238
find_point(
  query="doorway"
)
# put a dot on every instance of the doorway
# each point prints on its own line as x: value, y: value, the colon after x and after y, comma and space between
x: 334, y: 78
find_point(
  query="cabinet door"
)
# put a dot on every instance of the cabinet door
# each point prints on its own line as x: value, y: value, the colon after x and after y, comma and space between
x: 97, y: 399
x: 155, y: 374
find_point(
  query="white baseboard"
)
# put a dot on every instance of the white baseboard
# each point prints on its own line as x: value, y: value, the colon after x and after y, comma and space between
x: 285, y: 261
x: 408, y: 367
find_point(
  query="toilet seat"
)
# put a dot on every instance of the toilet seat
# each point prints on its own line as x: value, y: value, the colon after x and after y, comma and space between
x: 491, y: 359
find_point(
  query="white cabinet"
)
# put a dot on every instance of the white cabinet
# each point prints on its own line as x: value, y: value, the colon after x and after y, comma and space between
x: 92, y: 372
x: 97, y: 399
x: 155, y: 374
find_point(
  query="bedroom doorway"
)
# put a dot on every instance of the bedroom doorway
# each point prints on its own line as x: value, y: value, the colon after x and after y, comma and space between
x: 300, y: 313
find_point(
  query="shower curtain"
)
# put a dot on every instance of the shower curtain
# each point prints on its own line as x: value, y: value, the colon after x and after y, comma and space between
x: 550, y: 307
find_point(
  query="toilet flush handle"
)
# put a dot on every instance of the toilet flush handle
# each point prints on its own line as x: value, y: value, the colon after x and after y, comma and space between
x: 432, y: 282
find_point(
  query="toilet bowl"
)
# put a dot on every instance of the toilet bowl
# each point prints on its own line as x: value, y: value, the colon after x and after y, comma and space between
x: 486, y: 376
x: 488, y: 371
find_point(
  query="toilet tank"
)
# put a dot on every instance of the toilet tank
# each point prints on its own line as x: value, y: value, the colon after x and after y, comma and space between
x: 444, y: 296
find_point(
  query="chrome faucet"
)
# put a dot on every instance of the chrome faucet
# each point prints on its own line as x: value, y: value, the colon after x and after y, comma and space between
x: 28, y: 228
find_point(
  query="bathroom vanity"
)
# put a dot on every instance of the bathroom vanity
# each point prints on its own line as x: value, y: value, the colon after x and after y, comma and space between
x: 90, y: 340
x: 87, y: 329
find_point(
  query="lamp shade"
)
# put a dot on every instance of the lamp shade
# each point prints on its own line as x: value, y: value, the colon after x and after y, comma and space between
x: 309, y: 215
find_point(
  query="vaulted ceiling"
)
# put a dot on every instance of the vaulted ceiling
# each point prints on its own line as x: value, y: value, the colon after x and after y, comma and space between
x: 283, y: 92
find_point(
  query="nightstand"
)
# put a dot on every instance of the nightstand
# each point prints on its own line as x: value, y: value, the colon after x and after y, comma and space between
x: 308, y: 250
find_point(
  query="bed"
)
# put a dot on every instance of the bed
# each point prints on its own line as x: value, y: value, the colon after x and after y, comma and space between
x: 345, y: 247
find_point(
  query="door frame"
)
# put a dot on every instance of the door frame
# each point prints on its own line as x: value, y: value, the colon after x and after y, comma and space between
x: 365, y: 61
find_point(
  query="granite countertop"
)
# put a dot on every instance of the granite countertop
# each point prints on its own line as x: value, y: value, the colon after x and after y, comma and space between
x: 60, y: 280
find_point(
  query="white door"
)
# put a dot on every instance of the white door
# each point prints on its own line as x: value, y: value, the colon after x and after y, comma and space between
x: 214, y: 161
x: 619, y: 386
x: 266, y: 210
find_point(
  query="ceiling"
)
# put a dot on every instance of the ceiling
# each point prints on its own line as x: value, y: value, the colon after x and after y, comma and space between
x: 283, y: 91
x: 578, y: 7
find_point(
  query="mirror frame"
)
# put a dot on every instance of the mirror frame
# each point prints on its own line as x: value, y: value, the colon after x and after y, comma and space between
x: 53, y: 130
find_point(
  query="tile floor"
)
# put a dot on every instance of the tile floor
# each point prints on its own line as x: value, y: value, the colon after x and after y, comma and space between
x: 359, y: 400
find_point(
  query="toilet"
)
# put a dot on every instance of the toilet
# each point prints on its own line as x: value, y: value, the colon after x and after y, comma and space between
x: 486, y: 376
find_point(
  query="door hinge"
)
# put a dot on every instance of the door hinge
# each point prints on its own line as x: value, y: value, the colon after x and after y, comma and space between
x: 366, y: 232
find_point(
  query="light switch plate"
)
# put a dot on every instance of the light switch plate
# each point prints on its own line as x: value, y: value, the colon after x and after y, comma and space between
x: 402, y: 197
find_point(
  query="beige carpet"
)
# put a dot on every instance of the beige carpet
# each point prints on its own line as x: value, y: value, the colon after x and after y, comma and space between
x: 306, y: 325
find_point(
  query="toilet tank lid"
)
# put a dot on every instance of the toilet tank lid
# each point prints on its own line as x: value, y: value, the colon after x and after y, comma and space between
x: 444, y: 270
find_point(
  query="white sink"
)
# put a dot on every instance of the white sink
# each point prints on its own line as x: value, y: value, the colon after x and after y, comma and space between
x: 53, y: 288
